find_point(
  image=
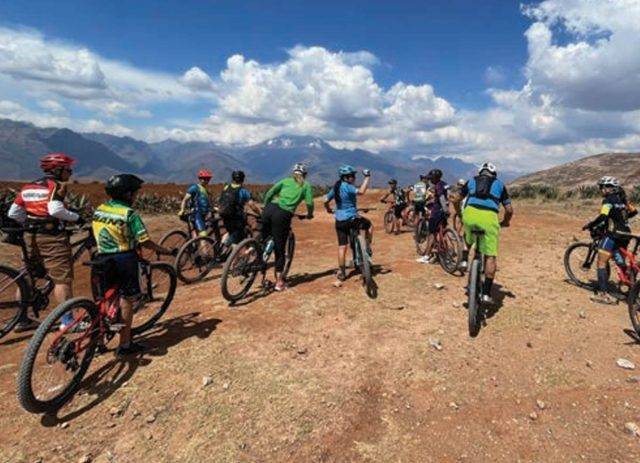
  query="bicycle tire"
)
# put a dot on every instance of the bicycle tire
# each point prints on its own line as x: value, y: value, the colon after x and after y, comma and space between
x: 450, y: 251
x: 174, y: 239
x: 365, y: 265
x: 166, y: 302
x: 420, y: 236
x: 11, y: 275
x: 229, y: 267
x: 186, y: 255
x: 572, y: 273
x: 633, y: 303
x: 26, y: 396
x: 389, y: 218
x: 289, y: 253
x: 473, y: 300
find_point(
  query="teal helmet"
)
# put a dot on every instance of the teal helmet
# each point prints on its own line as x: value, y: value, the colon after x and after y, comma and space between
x: 346, y: 170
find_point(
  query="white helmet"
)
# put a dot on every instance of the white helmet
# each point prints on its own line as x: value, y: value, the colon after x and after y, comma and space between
x: 300, y: 168
x: 608, y: 181
x: 462, y: 182
x: 488, y: 167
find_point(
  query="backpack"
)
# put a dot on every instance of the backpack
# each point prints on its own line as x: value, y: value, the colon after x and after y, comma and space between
x: 229, y: 202
x: 483, y: 187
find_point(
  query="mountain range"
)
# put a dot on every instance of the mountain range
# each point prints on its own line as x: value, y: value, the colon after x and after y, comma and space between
x: 100, y: 155
x: 587, y: 171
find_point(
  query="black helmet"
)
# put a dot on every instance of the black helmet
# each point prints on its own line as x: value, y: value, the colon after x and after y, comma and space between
x: 434, y: 174
x: 237, y: 176
x: 423, y: 177
x: 120, y: 185
x: 393, y: 181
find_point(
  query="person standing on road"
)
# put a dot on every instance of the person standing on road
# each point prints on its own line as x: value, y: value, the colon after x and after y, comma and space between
x: 419, y: 196
x: 233, y: 199
x: 41, y: 206
x: 119, y: 230
x: 197, y: 198
x: 399, y: 203
x: 345, y: 195
x: 484, y: 194
x: 613, y: 220
x: 438, y: 213
x: 276, y: 216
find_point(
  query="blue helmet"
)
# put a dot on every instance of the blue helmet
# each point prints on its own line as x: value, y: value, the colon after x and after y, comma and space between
x: 346, y: 170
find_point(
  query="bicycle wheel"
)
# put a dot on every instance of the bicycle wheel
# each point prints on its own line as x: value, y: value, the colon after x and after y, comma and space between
x: 420, y: 236
x: 240, y: 270
x: 14, y: 295
x: 579, y: 263
x: 633, y: 303
x: 158, y: 286
x: 365, y: 267
x: 289, y: 253
x: 174, y: 239
x: 473, y: 301
x: 56, y: 361
x: 388, y: 221
x: 195, y: 259
x: 450, y: 251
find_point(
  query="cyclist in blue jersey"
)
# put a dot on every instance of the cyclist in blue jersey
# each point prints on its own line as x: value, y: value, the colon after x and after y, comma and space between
x: 484, y: 194
x: 345, y: 195
x: 197, y: 198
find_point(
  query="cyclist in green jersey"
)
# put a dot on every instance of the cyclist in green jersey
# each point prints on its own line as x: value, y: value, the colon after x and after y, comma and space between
x: 276, y: 217
x: 119, y: 230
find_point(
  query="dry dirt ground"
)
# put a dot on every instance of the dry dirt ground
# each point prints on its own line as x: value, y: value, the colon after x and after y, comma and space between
x: 323, y: 374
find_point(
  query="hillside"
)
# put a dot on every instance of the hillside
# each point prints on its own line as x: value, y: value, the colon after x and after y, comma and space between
x: 587, y: 171
x: 99, y: 155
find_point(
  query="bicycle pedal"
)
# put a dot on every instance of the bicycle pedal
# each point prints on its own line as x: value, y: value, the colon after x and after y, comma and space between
x: 116, y: 327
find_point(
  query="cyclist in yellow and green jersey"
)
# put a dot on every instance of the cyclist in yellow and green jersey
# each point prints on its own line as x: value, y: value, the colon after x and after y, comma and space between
x: 119, y: 230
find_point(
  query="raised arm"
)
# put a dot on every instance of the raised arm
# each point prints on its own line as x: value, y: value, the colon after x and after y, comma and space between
x: 365, y: 185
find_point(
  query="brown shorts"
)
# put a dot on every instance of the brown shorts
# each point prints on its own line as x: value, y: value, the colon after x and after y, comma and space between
x: 53, y: 252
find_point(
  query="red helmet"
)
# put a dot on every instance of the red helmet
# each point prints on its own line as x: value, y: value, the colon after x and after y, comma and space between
x: 204, y: 173
x: 55, y: 160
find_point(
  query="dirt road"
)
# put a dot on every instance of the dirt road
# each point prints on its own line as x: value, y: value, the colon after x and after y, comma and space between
x: 324, y: 374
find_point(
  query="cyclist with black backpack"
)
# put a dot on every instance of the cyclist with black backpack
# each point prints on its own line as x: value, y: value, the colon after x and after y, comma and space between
x: 484, y: 194
x: 233, y: 199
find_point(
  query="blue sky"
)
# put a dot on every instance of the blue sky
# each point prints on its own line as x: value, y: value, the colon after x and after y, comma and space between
x: 448, y: 43
x: 456, y: 77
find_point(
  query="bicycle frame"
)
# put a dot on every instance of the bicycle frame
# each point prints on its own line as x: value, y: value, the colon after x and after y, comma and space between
x: 624, y: 274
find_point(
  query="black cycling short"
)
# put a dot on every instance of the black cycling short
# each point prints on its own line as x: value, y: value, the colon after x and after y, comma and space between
x: 397, y: 210
x: 435, y: 220
x: 419, y: 207
x: 343, y: 227
x: 120, y: 270
x: 235, y: 226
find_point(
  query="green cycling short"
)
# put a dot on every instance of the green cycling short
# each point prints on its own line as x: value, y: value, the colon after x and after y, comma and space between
x: 474, y: 218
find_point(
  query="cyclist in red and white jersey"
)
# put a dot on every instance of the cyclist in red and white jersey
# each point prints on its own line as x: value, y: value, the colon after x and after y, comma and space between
x: 40, y: 204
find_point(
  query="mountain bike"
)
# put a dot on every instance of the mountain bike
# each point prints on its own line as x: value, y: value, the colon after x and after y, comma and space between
x: 361, y: 251
x: 474, y: 289
x: 176, y: 238
x: 198, y: 255
x: 579, y: 259
x: 249, y: 258
x: 30, y: 286
x: 448, y: 245
x: 408, y: 218
x: 58, y: 357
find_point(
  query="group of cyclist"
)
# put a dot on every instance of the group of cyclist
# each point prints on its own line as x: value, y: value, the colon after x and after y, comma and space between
x: 119, y: 230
